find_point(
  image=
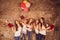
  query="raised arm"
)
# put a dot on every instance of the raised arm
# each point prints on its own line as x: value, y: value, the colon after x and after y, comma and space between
x: 17, y: 23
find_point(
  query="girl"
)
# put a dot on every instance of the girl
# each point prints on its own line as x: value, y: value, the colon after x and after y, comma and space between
x: 43, y: 29
x: 24, y: 30
x: 37, y: 28
x: 18, y: 31
x: 29, y: 29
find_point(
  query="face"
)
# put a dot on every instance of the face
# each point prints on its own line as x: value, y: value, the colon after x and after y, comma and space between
x: 41, y: 20
x: 47, y: 25
x: 34, y: 23
x: 37, y: 21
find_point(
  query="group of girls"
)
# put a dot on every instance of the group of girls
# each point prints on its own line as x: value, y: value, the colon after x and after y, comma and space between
x: 28, y: 26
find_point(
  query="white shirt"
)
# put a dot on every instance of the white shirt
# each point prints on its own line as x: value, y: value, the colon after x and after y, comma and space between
x: 36, y: 30
x: 43, y: 31
x: 24, y: 29
x: 29, y: 28
x: 18, y: 33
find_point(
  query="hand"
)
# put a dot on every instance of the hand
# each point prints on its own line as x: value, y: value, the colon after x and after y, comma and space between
x: 17, y: 22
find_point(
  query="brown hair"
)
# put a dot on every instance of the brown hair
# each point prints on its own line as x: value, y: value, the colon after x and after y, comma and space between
x: 16, y: 26
x: 38, y: 21
x: 44, y: 23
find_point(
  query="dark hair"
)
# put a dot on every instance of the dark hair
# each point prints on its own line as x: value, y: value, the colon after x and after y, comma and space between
x: 43, y: 19
x: 21, y: 24
x: 44, y: 23
x: 27, y: 21
x: 16, y: 26
x: 38, y: 21
x: 33, y: 21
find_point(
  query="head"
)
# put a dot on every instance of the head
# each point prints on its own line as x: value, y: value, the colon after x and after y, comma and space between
x: 37, y: 21
x: 39, y: 24
x: 33, y: 22
x: 42, y: 20
x: 16, y: 26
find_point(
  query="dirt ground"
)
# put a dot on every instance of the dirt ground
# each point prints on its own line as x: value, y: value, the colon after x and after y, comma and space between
x: 10, y: 11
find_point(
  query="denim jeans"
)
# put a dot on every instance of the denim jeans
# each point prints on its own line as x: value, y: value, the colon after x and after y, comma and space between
x: 42, y: 37
x: 37, y: 36
x: 29, y: 35
x: 24, y: 37
x: 17, y: 38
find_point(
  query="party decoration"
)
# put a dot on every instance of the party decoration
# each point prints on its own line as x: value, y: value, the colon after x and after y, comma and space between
x: 22, y: 17
x: 52, y: 26
x: 25, y: 5
x: 25, y: 1
x: 26, y: 9
x: 10, y: 25
x: 28, y: 4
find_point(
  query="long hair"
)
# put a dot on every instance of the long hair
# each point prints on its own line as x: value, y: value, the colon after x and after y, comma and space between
x: 21, y: 25
x: 33, y: 21
x: 38, y: 21
x: 44, y: 23
x: 29, y: 21
x: 16, y: 26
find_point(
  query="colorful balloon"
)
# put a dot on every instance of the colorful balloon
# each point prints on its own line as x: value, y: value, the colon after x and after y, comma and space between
x: 26, y: 9
x: 28, y: 4
x: 23, y: 5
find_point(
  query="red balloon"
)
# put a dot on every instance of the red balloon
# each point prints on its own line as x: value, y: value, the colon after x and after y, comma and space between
x: 23, y: 5
x: 10, y: 25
